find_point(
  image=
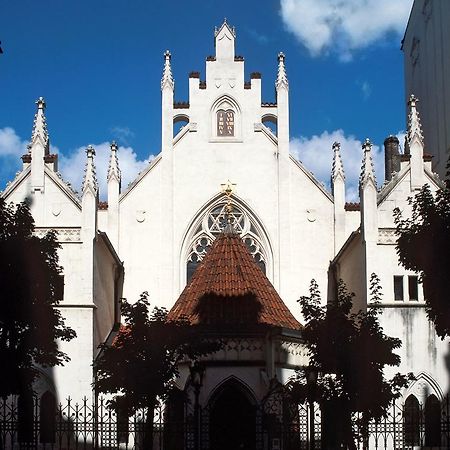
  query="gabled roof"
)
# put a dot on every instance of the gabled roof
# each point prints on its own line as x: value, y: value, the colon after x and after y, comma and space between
x: 228, y: 288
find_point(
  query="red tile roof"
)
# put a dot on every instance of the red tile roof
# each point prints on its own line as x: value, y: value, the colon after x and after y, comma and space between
x: 229, y: 288
x: 352, y: 206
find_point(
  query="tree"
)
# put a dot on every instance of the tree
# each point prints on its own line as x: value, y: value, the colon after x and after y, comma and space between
x: 348, y: 351
x: 30, y: 323
x: 139, y: 368
x: 424, y: 246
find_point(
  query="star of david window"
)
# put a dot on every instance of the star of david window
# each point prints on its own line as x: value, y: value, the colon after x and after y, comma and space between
x: 225, y: 122
x: 212, y: 225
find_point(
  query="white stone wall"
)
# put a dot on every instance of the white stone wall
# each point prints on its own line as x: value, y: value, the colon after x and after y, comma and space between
x: 426, y: 49
x: 198, y: 163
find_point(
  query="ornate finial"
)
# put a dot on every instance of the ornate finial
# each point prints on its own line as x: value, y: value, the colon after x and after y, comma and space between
x: 414, y: 125
x: 224, y: 24
x: 167, y: 78
x: 40, y: 131
x: 281, y: 76
x: 113, y: 168
x: 90, y: 177
x: 228, y: 189
x: 337, y: 167
x: 40, y: 102
x: 367, y: 168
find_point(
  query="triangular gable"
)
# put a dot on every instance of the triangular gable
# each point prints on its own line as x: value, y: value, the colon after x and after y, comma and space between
x: 399, y: 177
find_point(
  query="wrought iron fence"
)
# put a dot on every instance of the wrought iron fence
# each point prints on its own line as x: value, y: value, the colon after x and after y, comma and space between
x: 88, y: 425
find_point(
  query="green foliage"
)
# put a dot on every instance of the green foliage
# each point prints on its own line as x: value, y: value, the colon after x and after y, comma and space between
x: 424, y: 246
x: 349, y: 351
x: 30, y: 324
x: 142, y: 363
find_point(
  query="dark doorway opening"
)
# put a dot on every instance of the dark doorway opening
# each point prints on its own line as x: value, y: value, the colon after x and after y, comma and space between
x: 232, y: 420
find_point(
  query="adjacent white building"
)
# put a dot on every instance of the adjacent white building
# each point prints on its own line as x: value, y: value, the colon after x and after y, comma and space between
x: 159, y: 228
x: 426, y: 47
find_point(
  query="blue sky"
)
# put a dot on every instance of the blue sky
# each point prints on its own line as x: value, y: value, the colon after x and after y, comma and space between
x: 98, y: 64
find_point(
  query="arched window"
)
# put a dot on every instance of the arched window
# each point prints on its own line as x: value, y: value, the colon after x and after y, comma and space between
x: 411, y: 418
x: 226, y: 120
x: 47, y: 416
x: 432, y: 422
x: 212, y: 224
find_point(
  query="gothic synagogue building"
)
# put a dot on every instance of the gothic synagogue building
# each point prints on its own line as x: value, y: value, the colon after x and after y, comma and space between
x: 164, y: 234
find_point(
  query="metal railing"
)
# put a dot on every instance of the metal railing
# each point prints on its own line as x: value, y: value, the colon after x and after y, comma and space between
x: 88, y: 425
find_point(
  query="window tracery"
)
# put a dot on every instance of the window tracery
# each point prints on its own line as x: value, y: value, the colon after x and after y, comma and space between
x: 212, y: 224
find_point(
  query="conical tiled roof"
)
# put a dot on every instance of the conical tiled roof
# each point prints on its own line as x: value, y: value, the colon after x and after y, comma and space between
x: 229, y: 288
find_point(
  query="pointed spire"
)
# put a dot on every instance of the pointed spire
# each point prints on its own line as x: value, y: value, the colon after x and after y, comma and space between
x: 40, y: 127
x: 113, y: 168
x: 225, y: 24
x: 281, y: 76
x: 90, y: 177
x: 167, y: 78
x: 367, y: 168
x: 338, y: 166
x: 414, y: 125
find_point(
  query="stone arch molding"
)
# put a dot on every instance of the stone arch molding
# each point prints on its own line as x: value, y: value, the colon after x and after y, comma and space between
x: 424, y: 386
x: 208, y: 222
x: 226, y: 103
x: 234, y: 381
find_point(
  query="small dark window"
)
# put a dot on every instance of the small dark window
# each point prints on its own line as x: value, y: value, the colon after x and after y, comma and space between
x: 398, y: 287
x: 432, y: 422
x: 411, y: 417
x: 413, y: 287
x: 191, y: 267
x: 47, y: 416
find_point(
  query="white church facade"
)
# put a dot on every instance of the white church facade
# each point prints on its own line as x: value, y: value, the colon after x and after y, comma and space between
x: 153, y: 235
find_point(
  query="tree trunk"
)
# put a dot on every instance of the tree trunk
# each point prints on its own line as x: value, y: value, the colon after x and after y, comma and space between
x: 349, y: 439
x: 148, y: 430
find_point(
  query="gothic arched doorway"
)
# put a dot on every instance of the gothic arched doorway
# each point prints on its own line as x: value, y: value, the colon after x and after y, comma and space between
x: 232, y: 420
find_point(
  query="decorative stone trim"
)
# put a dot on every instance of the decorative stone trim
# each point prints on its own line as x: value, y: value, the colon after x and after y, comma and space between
x: 63, y: 234
x: 387, y: 236
x: 180, y: 105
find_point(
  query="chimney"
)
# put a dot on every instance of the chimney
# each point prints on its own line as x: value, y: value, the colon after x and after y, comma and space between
x: 391, y: 157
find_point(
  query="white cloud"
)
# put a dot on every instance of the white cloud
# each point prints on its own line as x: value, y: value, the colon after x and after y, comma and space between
x: 257, y: 36
x: 12, y: 147
x: 366, y: 89
x: 317, y: 156
x: 122, y: 134
x: 11, y: 144
x: 72, y: 166
x: 343, y: 26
